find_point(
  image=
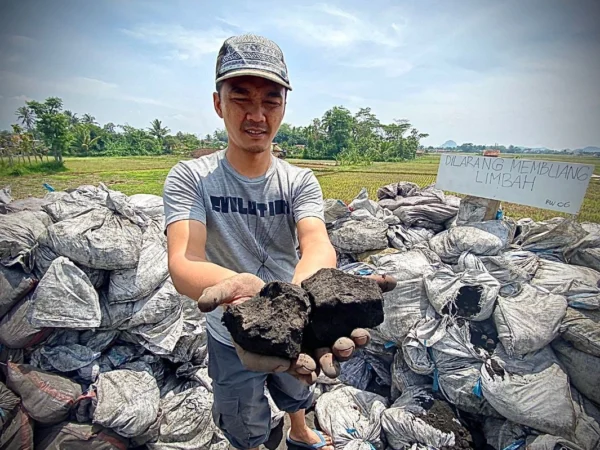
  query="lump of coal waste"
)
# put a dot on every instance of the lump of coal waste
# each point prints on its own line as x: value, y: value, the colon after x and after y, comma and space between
x: 440, y: 415
x: 272, y: 322
x: 340, y: 302
x: 466, y: 303
x: 484, y: 335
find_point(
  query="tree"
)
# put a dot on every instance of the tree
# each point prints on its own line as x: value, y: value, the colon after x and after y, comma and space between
x: 221, y: 135
x: 89, y: 119
x: 337, y: 123
x: 83, y: 140
x: 157, y: 130
x: 26, y: 116
x: 53, y: 125
x: 110, y: 128
x: 73, y: 119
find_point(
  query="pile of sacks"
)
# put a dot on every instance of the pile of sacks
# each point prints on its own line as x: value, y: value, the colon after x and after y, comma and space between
x: 491, y: 338
x: 97, y: 348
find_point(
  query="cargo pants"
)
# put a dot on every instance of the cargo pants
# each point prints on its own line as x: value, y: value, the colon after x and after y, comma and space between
x: 241, y: 409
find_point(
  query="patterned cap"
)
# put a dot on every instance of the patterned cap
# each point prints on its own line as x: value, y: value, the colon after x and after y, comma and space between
x: 252, y: 55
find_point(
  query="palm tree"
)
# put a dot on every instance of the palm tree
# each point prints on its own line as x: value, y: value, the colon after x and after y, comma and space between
x: 26, y: 116
x: 84, y: 140
x: 157, y: 130
x: 73, y: 119
x: 89, y: 119
x: 110, y: 127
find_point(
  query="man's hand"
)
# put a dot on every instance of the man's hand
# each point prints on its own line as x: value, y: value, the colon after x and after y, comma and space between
x: 231, y: 291
x: 326, y: 360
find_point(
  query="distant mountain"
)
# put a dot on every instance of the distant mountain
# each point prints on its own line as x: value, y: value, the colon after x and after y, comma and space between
x: 449, y: 144
x: 588, y: 149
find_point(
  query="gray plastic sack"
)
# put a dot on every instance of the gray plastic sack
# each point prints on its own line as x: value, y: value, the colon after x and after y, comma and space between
x: 358, y: 236
x: 521, y: 327
x: 46, y: 397
x: 472, y: 209
x: 63, y: 358
x: 65, y: 298
x: 450, y: 244
x: 471, y: 294
x: 98, y: 239
x: 126, y: 401
x: 44, y: 256
x: 18, y: 433
x: 360, y: 369
x: 133, y: 284
x: 76, y: 202
x: 352, y: 418
x: 334, y: 209
x: 581, y: 328
x: 403, y: 377
x: 14, y: 285
x: 587, y: 429
x: 165, y: 318
x: 403, y: 237
x: 443, y: 348
x: 149, y: 204
x: 551, y: 237
x: 532, y: 390
x: 71, y: 435
x: 114, y: 315
x: 407, y: 303
x: 19, y: 233
x: 585, y: 252
x: 430, y: 216
x: 403, y: 423
x: 15, y: 329
x: 511, y: 267
x: 8, y: 405
x: 582, y: 368
x: 186, y: 423
x: 503, y: 229
x: 549, y: 442
x: 579, y: 284
x: 501, y: 433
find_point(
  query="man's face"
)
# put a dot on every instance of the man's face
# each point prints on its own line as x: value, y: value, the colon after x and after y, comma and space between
x: 252, y: 109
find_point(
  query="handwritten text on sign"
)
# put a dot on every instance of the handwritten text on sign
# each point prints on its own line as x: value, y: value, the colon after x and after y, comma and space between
x: 551, y: 185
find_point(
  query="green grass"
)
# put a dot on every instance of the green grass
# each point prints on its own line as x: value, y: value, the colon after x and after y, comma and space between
x: 134, y: 175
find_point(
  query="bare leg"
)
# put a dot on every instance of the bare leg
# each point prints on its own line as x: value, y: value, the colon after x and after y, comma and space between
x: 300, y: 432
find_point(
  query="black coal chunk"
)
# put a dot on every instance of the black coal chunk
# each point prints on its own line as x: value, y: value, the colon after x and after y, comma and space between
x: 340, y: 302
x: 466, y: 303
x: 440, y: 415
x: 272, y: 322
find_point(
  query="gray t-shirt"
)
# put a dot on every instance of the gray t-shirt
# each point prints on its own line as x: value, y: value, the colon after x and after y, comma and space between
x: 251, y: 222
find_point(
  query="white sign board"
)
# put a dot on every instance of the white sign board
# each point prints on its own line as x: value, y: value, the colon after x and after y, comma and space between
x: 554, y: 185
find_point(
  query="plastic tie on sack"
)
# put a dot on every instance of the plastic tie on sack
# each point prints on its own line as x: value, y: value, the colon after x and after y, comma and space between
x: 515, y: 445
x: 436, y: 382
x: 477, y: 388
x: 2, y: 414
x: 389, y: 344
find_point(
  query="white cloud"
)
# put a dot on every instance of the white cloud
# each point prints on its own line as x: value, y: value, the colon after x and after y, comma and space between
x: 21, y: 98
x: 388, y: 66
x: 20, y: 40
x: 184, y: 44
x: 330, y: 27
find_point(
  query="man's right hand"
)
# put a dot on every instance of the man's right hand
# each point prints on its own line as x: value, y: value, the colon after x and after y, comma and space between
x: 231, y: 291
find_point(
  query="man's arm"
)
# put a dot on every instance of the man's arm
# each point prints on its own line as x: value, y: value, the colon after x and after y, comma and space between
x: 315, y: 248
x: 190, y: 271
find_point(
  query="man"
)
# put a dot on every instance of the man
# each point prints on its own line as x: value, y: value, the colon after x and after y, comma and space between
x: 234, y: 221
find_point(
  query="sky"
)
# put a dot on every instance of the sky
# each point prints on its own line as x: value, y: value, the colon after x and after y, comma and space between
x: 507, y: 71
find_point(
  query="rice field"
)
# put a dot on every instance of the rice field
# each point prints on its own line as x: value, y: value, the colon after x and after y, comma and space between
x: 133, y: 175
